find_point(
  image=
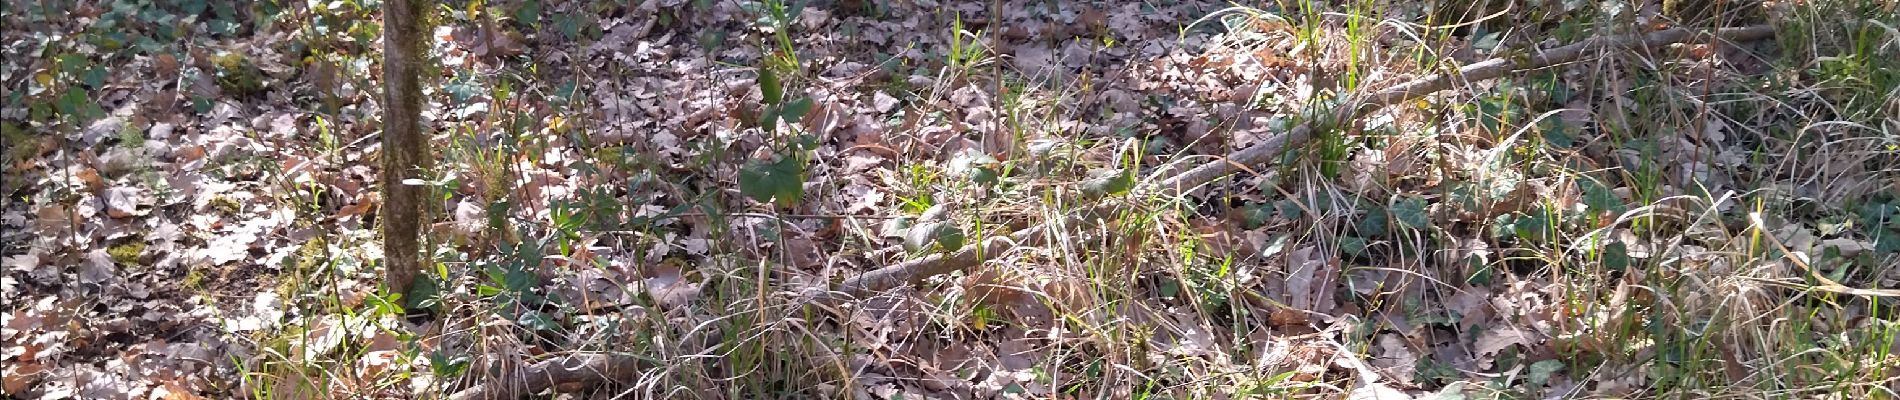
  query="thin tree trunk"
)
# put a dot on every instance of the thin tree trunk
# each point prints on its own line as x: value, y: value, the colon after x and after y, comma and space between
x: 405, y: 148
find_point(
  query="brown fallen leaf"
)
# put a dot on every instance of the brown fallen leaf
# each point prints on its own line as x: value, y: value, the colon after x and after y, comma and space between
x: 174, y: 391
x: 125, y: 202
x: 1498, y: 338
x: 1092, y: 20
x: 1395, y: 359
x: 98, y: 268
x: 19, y: 376
x: 362, y: 206
x: 88, y: 177
x: 665, y: 284
x: 165, y: 64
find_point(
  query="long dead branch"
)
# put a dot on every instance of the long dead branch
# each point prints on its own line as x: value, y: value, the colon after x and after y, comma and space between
x: 573, y: 369
x: 588, y: 369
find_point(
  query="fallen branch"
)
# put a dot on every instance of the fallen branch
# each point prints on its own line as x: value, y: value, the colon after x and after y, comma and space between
x: 573, y: 369
x: 588, y: 369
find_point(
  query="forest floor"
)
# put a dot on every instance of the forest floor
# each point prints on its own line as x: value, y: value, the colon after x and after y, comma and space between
x: 652, y: 194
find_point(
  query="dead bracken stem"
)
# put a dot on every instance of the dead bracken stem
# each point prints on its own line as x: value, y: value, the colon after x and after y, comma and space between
x: 1167, y: 181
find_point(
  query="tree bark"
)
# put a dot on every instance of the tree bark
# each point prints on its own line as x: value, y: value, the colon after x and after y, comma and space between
x: 405, y: 148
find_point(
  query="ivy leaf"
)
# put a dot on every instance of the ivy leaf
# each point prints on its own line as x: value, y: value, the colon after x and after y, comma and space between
x: 1462, y: 194
x: 1886, y: 242
x: 1504, y: 226
x: 497, y: 214
x: 1353, y: 246
x: 949, y: 236
x: 985, y: 176
x: 75, y: 104
x: 568, y: 25
x: 1110, y: 182
x: 795, y: 110
x: 1542, y: 370
x: 193, y: 7
x: 1556, y: 132
x: 808, y: 142
x: 755, y: 181
x: 1481, y: 277
x: 939, y: 235
x: 897, y: 227
x: 1495, y: 113
x: 1257, y: 215
x: 1411, y: 213
x: 1600, y: 198
x: 713, y: 40
x: 1374, y: 224
x: 768, y: 118
x: 529, y: 12
x: 73, y: 64
x: 447, y: 364
x: 1616, y: 256
x: 537, y: 320
x: 511, y: 279
x: 1169, y: 289
x: 1488, y: 41
x: 94, y: 77
x: 1874, y: 215
x: 980, y: 167
x: 782, y: 181
x: 1555, y: 90
x: 1536, y: 227
x: 791, y: 189
x: 426, y: 294
x: 1288, y: 209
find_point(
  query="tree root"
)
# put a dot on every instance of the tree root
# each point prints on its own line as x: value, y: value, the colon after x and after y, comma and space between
x: 594, y: 368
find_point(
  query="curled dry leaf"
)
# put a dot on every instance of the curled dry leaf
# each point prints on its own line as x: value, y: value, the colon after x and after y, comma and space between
x: 1498, y: 338
x: 172, y: 390
x: 1309, y: 288
x: 1395, y: 360
x: 125, y: 202
x: 883, y: 102
x: 117, y: 161
x: 19, y: 376
x: 98, y: 268
x: 664, y: 283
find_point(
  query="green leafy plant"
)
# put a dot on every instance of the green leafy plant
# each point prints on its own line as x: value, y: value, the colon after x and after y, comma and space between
x: 781, y: 180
